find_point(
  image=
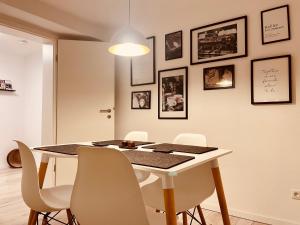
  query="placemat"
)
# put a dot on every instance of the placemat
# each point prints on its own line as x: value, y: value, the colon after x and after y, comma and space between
x: 169, y: 148
x: 156, y: 159
x: 119, y: 142
x: 63, y: 149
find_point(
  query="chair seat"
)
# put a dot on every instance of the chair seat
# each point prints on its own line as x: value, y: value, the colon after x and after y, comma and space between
x: 157, y: 218
x: 57, y: 198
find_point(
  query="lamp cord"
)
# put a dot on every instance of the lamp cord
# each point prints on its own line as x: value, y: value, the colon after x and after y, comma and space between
x: 129, y: 12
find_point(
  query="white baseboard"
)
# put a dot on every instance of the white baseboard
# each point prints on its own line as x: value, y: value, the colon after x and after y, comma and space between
x: 251, y: 216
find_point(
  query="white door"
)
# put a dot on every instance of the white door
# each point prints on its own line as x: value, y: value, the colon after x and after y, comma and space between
x: 85, y: 85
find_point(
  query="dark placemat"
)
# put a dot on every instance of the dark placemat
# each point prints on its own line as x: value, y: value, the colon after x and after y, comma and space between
x: 63, y: 149
x: 119, y: 142
x: 169, y: 148
x: 156, y: 159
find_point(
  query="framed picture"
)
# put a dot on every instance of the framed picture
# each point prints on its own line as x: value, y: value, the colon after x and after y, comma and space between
x: 219, y: 41
x: 141, y: 100
x: 143, y: 67
x: 173, y: 93
x: 271, y: 80
x: 219, y: 77
x: 173, y: 45
x: 275, y: 25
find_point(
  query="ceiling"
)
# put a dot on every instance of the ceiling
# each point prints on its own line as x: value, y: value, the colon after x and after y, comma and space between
x: 110, y: 13
x: 101, y: 18
x: 13, y: 45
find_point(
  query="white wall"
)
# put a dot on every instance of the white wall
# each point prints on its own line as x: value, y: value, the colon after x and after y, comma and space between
x: 20, y: 111
x: 264, y: 167
x: 33, y: 98
x: 11, y: 68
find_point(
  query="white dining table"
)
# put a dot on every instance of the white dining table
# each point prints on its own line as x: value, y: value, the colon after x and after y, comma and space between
x: 167, y: 176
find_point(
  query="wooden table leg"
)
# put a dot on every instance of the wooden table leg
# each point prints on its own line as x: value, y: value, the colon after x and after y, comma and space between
x: 42, y: 174
x: 220, y: 192
x: 169, y: 199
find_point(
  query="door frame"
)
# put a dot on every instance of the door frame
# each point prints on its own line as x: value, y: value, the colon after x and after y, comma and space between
x: 44, y: 37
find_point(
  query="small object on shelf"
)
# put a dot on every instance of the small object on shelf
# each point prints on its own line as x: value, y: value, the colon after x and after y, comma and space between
x: 6, y: 85
x: 2, y: 85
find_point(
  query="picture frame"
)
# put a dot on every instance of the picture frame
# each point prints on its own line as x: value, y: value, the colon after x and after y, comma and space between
x: 271, y: 80
x: 275, y: 25
x: 173, y: 45
x: 141, y: 100
x: 219, y: 77
x: 143, y: 68
x: 173, y: 93
x: 219, y: 41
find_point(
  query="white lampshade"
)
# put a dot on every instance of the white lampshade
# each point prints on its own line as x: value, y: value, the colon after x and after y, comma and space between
x: 129, y: 42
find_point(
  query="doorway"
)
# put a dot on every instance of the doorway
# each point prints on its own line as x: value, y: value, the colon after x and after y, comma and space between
x: 28, y: 110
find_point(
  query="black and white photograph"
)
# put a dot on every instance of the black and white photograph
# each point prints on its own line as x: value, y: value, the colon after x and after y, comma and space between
x: 172, y: 96
x: 220, y: 77
x: 173, y: 45
x: 141, y: 100
x: 219, y: 41
x: 142, y: 68
x: 271, y: 80
x: 275, y: 24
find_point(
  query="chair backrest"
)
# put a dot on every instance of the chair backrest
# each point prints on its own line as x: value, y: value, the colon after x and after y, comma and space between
x: 106, y: 190
x: 190, y: 139
x: 30, y: 183
x: 195, y: 185
x: 137, y: 136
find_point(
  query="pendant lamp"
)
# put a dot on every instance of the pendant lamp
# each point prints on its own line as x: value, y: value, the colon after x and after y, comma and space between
x: 128, y: 41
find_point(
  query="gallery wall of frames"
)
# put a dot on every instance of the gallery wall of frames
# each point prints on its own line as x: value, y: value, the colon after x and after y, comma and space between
x: 242, y: 96
x: 271, y: 81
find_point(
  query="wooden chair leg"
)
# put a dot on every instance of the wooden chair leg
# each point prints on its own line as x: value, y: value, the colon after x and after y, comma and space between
x: 201, y: 215
x: 70, y: 217
x: 34, y: 218
x: 30, y: 217
x: 184, y: 218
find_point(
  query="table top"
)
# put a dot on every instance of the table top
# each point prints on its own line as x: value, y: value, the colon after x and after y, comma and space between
x: 199, y: 159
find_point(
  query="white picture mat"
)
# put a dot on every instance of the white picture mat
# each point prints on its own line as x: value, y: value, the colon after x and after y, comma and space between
x: 172, y: 73
x: 271, y: 80
x: 275, y: 24
x: 240, y: 41
x: 143, y: 66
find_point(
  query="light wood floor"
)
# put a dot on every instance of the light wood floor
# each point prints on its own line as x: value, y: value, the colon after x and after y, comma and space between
x: 13, y: 211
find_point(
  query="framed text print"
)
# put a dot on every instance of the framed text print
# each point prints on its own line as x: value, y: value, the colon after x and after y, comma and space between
x: 172, y: 93
x: 271, y: 80
x: 219, y: 41
x: 143, y: 67
x: 275, y: 25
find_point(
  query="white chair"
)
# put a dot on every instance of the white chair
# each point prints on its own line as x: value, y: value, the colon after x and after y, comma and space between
x: 191, y: 187
x: 106, y: 191
x: 138, y: 136
x: 41, y: 200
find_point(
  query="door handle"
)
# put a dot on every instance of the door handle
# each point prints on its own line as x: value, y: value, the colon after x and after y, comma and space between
x: 105, y: 111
